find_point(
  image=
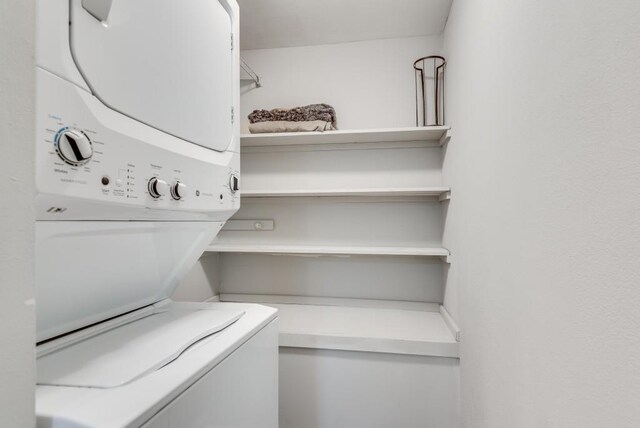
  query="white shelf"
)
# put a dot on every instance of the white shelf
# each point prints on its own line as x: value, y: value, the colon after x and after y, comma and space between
x: 328, y: 250
x: 438, y: 134
x: 363, y: 329
x: 428, y: 192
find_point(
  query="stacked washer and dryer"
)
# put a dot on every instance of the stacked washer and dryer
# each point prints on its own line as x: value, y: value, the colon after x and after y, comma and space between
x: 137, y: 160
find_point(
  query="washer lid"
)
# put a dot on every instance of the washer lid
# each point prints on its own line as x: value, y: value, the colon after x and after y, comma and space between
x: 131, y: 351
x: 165, y: 63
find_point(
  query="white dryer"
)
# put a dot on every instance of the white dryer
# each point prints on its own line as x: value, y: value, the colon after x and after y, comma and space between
x: 137, y: 169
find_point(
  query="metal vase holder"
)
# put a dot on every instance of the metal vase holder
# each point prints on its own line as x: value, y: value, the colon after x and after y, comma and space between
x: 429, y: 83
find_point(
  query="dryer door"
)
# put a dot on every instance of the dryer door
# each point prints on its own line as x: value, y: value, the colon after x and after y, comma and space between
x: 165, y: 63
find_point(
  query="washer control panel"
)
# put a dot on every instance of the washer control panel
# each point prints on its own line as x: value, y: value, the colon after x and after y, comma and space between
x: 83, y: 164
x: 117, y: 168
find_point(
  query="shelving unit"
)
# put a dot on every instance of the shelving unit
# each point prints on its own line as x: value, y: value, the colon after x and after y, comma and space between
x: 390, y: 137
x: 346, y: 315
x: 342, y: 232
x: 442, y: 253
x: 365, y: 329
x: 441, y: 193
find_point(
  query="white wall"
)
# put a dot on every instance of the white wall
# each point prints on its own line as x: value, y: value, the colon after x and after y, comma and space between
x: 544, y: 223
x: 339, y: 389
x: 201, y: 283
x: 17, y: 136
x: 370, y: 84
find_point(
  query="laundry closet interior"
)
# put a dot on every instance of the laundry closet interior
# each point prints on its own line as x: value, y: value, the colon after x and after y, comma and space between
x: 342, y: 230
x: 334, y: 214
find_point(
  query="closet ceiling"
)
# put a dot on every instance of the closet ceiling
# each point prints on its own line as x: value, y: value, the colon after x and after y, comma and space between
x: 268, y: 24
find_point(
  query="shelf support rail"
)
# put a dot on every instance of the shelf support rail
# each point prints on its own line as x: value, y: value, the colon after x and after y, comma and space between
x: 258, y: 225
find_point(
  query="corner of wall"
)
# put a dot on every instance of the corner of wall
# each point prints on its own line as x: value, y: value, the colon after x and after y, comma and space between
x: 202, y: 282
x: 17, y: 216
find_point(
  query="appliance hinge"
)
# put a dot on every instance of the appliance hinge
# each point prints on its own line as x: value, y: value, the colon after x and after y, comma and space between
x: 232, y: 115
x: 231, y: 41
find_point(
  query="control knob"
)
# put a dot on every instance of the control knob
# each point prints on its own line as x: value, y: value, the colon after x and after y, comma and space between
x: 157, y: 187
x: 74, y: 147
x: 178, y: 190
x: 234, y: 183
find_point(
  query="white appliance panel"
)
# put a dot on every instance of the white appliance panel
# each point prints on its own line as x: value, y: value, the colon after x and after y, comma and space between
x: 241, y: 392
x: 133, y: 350
x: 135, y: 153
x: 87, y: 272
x: 166, y: 63
x: 53, y: 52
x: 229, y: 379
x: 127, y: 154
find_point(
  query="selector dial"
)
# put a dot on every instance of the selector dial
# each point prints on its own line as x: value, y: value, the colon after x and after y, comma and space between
x: 74, y: 147
x: 157, y: 187
x: 234, y: 183
x: 178, y: 190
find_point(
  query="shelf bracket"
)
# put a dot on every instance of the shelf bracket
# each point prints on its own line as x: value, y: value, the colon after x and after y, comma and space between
x: 446, y: 259
x: 445, y: 196
x: 253, y: 76
x: 450, y: 322
x: 445, y: 138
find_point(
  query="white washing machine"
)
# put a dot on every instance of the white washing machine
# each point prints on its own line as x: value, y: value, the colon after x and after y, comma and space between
x: 137, y: 164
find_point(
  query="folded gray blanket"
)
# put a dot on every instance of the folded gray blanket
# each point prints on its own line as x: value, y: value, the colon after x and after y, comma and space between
x: 311, y: 112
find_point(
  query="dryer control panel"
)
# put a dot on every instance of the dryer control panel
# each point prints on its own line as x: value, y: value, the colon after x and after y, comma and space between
x: 94, y: 163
